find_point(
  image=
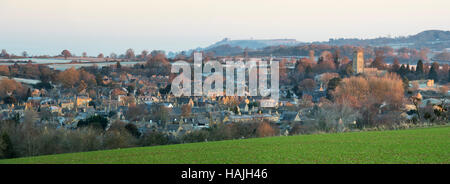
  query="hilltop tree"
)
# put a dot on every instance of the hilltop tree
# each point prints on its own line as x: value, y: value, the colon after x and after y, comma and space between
x: 129, y: 54
x: 66, y: 54
x: 113, y: 55
x: 4, y: 53
x: 100, y: 55
x: 158, y: 52
x: 24, y: 54
x: 144, y: 54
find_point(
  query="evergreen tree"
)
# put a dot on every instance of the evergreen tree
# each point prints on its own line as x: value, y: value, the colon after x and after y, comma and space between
x: 118, y: 65
x: 434, y: 72
x: 347, y: 70
x: 308, y: 72
x: 448, y: 75
x: 336, y: 56
x: 28, y: 94
x: 419, y: 69
x: 95, y: 121
x: 395, y: 65
x: 332, y: 84
x: 402, y: 70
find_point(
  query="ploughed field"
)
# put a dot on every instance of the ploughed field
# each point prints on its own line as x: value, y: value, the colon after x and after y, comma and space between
x: 422, y: 145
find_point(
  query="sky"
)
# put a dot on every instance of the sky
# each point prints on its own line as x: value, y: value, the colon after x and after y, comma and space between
x: 105, y: 26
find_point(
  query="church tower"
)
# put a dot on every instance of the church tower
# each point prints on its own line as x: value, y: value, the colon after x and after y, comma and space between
x: 358, y: 61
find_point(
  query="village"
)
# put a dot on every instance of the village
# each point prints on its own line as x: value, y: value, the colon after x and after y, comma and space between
x: 146, y: 102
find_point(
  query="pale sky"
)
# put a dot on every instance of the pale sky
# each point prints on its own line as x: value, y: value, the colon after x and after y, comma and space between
x: 94, y: 26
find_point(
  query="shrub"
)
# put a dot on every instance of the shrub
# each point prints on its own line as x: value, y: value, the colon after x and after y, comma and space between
x: 196, y: 136
x: 94, y: 121
x: 133, y: 130
x: 152, y: 138
x: 265, y: 129
x: 6, y: 146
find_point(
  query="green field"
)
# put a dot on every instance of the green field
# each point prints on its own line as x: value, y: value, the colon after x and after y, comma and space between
x: 425, y: 145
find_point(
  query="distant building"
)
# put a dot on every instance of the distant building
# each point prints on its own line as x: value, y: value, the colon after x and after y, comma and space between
x: 358, y: 61
x: 374, y: 72
x: 83, y: 101
x: 359, y: 65
x: 430, y: 83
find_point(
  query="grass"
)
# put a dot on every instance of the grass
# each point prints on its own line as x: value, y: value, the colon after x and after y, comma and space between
x: 424, y: 145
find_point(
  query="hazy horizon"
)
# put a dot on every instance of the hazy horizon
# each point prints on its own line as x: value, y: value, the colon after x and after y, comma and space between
x: 101, y: 26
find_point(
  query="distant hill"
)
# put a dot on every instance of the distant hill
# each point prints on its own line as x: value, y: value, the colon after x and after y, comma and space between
x: 228, y: 47
x: 435, y: 40
x: 255, y: 44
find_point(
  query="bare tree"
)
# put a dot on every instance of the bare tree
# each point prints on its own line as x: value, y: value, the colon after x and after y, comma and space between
x: 129, y: 54
x: 186, y: 110
x: 24, y: 54
x: 144, y: 54
x: 113, y: 55
x: 4, y: 53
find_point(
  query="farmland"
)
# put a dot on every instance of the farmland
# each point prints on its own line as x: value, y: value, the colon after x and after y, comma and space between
x: 424, y: 145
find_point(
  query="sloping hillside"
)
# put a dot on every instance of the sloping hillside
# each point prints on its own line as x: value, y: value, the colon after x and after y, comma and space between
x: 426, y: 145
